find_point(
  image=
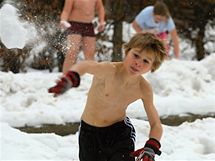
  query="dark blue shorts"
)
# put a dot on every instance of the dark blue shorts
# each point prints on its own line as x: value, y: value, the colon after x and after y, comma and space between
x: 112, y: 143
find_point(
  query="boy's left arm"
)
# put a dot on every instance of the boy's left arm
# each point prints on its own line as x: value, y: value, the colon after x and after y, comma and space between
x: 152, y: 145
x: 101, y: 14
x: 174, y: 36
x: 153, y: 117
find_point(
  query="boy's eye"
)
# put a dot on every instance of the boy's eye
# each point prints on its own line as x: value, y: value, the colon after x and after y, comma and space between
x: 136, y: 56
x: 145, y: 61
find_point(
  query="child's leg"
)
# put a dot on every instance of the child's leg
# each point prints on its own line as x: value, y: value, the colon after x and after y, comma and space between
x: 90, y: 143
x: 74, y: 43
x: 125, y: 143
x: 89, y: 46
x: 87, y: 146
x: 122, y: 151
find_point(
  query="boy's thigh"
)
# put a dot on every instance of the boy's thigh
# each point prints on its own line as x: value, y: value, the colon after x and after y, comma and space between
x: 74, y: 41
x: 89, y: 43
x: 87, y: 147
x: 121, y: 151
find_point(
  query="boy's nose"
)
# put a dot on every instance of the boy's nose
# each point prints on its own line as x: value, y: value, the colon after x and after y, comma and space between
x: 138, y: 63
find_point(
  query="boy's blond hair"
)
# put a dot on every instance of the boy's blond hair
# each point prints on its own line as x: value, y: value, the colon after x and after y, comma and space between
x: 149, y: 43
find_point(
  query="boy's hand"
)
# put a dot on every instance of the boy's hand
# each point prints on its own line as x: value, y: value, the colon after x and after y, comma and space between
x: 71, y: 79
x: 147, y: 153
x: 64, y: 24
x: 101, y: 27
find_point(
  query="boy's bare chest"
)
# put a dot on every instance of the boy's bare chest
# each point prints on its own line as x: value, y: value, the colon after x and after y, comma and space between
x: 84, y: 5
x: 115, y: 91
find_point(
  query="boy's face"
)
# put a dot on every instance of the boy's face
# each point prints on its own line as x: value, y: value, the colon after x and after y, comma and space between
x: 138, y: 62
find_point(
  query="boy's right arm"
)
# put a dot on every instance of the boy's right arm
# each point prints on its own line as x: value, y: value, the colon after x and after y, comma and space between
x: 89, y: 66
x: 72, y: 77
x: 65, y: 13
x: 66, y: 10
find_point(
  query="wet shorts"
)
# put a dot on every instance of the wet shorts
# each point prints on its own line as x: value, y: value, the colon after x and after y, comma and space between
x: 81, y: 28
x: 111, y: 143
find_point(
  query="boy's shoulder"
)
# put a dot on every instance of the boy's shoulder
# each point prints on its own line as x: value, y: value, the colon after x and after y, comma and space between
x: 145, y: 86
x: 110, y: 63
x: 107, y: 67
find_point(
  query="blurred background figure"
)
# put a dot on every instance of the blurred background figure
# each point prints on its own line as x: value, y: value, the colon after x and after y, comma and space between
x: 157, y: 19
x: 76, y: 19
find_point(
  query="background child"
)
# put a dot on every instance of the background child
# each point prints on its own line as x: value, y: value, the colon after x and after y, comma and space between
x: 157, y: 19
x: 77, y: 16
x: 106, y: 133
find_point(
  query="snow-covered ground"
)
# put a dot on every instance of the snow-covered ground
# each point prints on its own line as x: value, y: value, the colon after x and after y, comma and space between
x: 180, y: 87
x: 188, y: 142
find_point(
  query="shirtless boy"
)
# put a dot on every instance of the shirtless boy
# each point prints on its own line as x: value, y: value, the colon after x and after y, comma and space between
x: 77, y: 16
x: 106, y: 133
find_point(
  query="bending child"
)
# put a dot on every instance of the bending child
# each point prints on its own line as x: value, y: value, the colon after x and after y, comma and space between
x: 157, y: 19
x: 106, y: 133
